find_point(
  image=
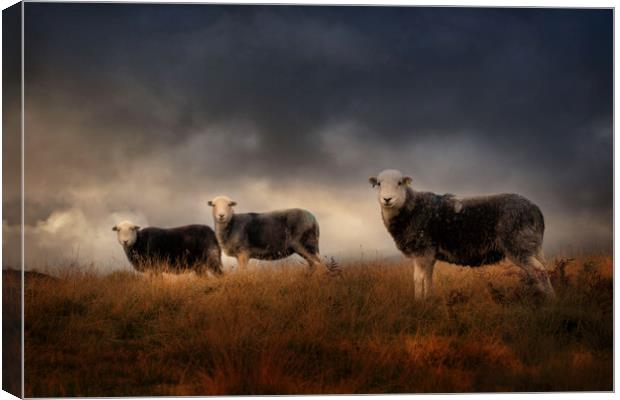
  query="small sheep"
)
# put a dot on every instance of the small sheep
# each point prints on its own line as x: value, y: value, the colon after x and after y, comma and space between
x: 265, y: 236
x: 191, y: 247
x: 471, y: 231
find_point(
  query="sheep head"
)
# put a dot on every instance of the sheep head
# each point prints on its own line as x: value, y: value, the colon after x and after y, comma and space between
x: 222, y: 209
x: 391, y: 187
x: 126, y: 233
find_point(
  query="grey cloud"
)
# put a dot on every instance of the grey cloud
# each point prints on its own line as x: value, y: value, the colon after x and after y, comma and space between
x: 149, y: 109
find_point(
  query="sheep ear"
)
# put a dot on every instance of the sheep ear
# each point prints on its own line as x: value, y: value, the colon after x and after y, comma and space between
x: 407, y: 180
x: 210, y: 203
x: 136, y: 227
x: 373, y: 181
x: 115, y: 228
x: 232, y: 203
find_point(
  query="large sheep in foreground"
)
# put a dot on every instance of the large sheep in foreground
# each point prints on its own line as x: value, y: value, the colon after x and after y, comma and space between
x: 470, y: 231
x: 265, y: 236
x: 191, y: 247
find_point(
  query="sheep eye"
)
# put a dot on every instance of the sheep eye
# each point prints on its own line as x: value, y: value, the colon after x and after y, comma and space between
x: 378, y: 183
x: 400, y: 183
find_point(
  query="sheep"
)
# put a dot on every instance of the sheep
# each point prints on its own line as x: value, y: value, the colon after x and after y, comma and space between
x: 471, y: 232
x: 265, y: 236
x: 191, y: 247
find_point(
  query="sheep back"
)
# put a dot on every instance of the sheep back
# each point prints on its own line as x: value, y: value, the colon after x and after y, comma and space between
x: 185, y: 247
x: 271, y: 235
x: 474, y: 231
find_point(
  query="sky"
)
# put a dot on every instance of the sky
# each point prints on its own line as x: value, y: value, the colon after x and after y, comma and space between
x: 145, y: 112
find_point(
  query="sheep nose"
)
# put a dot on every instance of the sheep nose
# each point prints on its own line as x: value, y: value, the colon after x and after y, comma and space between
x: 125, y: 241
x: 221, y: 216
x: 387, y: 200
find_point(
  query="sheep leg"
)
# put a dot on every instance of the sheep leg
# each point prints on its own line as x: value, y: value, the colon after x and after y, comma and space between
x: 217, y: 271
x: 214, y: 261
x: 200, y: 269
x: 534, y: 267
x: 423, y: 276
x: 333, y: 271
x: 542, y: 274
x: 428, y: 279
x: 540, y: 257
x: 312, y: 259
x: 242, y: 261
x: 418, y: 279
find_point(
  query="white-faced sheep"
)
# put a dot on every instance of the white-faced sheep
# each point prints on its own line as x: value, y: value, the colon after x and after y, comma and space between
x: 470, y: 231
x: 191, y: 247
x: 265, y: 236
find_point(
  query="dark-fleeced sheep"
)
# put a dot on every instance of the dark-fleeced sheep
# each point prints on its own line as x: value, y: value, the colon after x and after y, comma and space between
x: 191, y: 247
x: 470, y: 231
x: 265, y: 236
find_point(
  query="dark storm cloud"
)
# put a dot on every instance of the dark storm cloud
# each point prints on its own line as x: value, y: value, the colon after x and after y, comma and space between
x: 465, y: 99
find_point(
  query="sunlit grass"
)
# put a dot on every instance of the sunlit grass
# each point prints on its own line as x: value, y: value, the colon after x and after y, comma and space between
x: 278, y: 331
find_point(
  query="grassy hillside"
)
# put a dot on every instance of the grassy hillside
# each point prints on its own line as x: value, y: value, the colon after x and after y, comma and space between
x: 276, y: 331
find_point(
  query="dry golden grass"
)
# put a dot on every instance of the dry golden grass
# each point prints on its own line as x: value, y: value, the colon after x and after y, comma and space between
x: 276, y: 331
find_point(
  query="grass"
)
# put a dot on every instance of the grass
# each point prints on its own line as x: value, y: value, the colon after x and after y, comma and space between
x: 277, y: 331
